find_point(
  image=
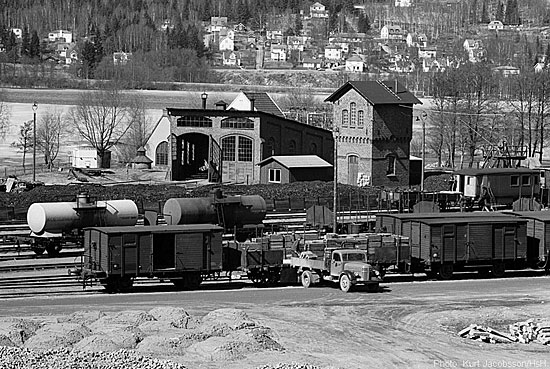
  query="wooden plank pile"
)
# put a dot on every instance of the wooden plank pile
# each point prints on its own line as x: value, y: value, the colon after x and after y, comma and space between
x: 522, y: 332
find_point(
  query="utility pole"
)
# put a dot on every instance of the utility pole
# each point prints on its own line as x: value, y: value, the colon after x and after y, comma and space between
x: 34, y: 108
x: 335, y: 181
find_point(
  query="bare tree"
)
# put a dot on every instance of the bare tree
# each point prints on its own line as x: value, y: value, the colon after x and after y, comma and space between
x: 140, y: 127
x: 24, y: 140
x: 4, y: 116
x: 49, y: 132
x: 100, y: 118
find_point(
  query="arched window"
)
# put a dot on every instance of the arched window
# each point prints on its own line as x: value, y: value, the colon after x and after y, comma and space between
x: 313, y: 149
x: 269, y: 147
x: 237, y: 148
x: 360, y: 119
x: 353, y: 114
x: 161, y: 154
x: 345, y: 118
x: 391, y: 165
x: 292, y: 147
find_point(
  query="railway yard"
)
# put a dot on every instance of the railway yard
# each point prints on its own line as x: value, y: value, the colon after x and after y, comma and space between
x: 50, y: 318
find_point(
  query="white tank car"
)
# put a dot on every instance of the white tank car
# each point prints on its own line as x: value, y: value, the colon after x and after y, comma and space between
x: 57, y: 217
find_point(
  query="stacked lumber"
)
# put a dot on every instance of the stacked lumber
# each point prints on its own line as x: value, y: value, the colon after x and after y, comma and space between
x: 522, y: 332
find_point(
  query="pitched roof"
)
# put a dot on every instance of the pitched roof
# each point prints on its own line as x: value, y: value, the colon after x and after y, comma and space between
x: 263, y: 102
x: 298, y: 161
x: 377, y: 92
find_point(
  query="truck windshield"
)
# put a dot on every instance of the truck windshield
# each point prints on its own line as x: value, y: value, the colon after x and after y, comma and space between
x: 354, y: 257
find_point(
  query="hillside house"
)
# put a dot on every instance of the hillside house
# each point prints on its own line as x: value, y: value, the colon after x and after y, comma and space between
x: 311, y: 63
x: 355, y: 64
x: 403, y: 3
x: 279, y: 53
x: 227, y: 43
x: 318, y: 10
x: 416, y: 40
x: 506, y: 71
x: 495, y: 25
x: 231, y: 58
x: 474, y: 49
x: 17, y: 32
x: 60, y: 35
x: 275, y: 36
x: 427, y: 52
x: 391, y: 33
x: 373, y: 121
x: 217, y: 24
x: 121, y: 58
x: 296, y: 42
x: 334, y: 53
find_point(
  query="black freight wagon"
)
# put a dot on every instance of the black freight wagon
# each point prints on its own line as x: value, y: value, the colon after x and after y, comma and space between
x: 538, y: 237
x: 441, y: 246
x: 184, y: 254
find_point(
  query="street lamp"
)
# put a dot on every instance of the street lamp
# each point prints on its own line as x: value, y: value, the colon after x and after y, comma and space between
x: 204, y: 96
x: 423, y: 120
x: 34, y: 108
x: 336, y: 132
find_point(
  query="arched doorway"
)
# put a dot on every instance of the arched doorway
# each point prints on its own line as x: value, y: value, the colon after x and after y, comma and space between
x: 191, y: 159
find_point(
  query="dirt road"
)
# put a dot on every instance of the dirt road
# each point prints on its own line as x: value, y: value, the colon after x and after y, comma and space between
x: 407, y: 325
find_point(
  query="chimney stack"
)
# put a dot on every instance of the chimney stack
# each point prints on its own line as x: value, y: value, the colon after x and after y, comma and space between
x: 252, y: 101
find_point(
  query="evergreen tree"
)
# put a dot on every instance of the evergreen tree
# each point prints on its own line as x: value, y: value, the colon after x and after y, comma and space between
x: 500, y: 12
x: 243, y: 13
x: 484, y: 13
x: 89, y: 60
x: 34, y: 47
x: 363, y: 23
x: 25, y: 41
x: 512, y: 13
x: 298, y: 26
x: 473, y: 13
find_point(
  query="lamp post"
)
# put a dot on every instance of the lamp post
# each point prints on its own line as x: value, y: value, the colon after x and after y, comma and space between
x: 34, y: 108
x: 204, y: 96
x: 335, y: 180
x: 423, y: 119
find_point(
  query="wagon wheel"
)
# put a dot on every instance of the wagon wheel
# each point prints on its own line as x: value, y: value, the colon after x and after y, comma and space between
x: 53, y: 249
x: 274, y: 276
x: 259, y: 278
x: 125, y: 283
x: 498, y: 269
x: 446, y: 272
x: 345, y: 283
x: 307, y: 278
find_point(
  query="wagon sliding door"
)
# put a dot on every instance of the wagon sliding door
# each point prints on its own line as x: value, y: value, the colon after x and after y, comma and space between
x: 504, y: 243
x: 190, y: 253
x: 164, y: 255
x: 448, y: 243
x: 130, y: 259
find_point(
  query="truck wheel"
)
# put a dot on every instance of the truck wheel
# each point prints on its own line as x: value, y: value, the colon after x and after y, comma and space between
x: 345, y: 283
x: 307, y: 278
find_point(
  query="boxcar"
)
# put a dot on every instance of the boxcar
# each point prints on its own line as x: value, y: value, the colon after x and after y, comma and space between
x: 184, y: 254
x: 394, y: 222
x: 538, y: 237
x: 441, y: 246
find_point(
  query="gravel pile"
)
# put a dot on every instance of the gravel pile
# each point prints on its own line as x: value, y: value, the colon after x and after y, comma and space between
x: 19, y: 358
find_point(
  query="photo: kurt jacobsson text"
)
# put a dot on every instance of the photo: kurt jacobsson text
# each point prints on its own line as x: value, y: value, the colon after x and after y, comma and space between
x: 491, y: 363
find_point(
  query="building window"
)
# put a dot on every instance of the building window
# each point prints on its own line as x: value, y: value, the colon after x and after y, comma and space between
x: 245, y: 149
x: 514, y: 181
x: 525, y: 180
x: 269, y: 147
x: 274, y: 175
x: 237, y: 123
x: 161, y: 154
x: 193, y: 121
x: 237, y: 148
x: 292, y: 147
x: 353, y: 114
x: 360, y: 119
x: 228, y: 148
x: 391, y: 165
x: 345, y: 118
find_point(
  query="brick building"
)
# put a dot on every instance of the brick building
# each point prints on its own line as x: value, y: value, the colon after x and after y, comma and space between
x: 373, y: 121
x: 227, y: 145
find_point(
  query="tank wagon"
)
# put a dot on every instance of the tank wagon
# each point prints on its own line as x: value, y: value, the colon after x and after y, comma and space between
x: 53, y: 224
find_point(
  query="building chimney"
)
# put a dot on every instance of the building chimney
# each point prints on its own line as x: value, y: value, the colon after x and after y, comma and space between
x: 252, y: 101
x: 395, y: 87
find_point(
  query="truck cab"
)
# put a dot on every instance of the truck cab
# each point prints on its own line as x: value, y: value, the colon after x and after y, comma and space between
x: 347, y: 267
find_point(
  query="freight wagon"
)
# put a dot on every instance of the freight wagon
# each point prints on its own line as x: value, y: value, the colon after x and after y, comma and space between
x: 183, y: 254
x: 442, y: 245
x: 538, y: 237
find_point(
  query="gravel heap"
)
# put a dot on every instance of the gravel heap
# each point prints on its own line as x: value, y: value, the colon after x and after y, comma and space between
x: 18, y: 358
